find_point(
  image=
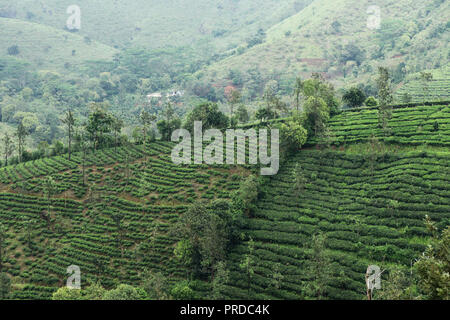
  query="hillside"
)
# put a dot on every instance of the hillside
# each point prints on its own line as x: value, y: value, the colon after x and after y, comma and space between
x: 333, y: 38
x: 114, y: 227
x: 437, y: 89
x: 47, y: 48
x: 155, y: 24
x: 367, y: 197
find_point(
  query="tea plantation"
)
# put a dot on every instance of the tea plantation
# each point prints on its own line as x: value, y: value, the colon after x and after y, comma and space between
x: 366, y: 192
x: 114, y: 226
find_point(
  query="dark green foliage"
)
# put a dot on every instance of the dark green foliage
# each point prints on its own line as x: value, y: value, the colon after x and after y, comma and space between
x: 210, y: 116
x: 354, y: 97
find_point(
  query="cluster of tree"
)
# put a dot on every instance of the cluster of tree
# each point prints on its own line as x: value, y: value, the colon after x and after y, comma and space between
x: 429, y: 276
x: 210, y: 230
x: 154, y: 286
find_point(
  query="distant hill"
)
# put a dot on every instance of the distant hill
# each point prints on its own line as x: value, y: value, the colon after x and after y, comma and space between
x: 47, y: 48
x: 155, y: 24
x: 332, y: 37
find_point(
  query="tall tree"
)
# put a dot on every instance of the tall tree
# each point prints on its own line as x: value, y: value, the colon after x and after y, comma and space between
x: 433, y: 267
x: 146, y: 120
x: 319, y: 270
x: 117, y: 126
x: 2, y: 245
x: 220, y: 280
x: 385, y: 98
x: 316, y: 115
x: 69, y: 121
x: 8, y: 147
x: 99, y: 124
x: 21, y: 134
x: 298, y: 89
x: 234, y: 99
x: 248, y: 264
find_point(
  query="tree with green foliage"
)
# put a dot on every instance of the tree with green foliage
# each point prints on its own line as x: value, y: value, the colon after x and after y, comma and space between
x: 210, y: 116
x: 66, y: 293
x: 319, y: 268
x: 99, y: 124
x: 385, y: 99
x: 21, y: 134
x: 315, y: 116
x: 146, y: 120
x: 371, y: 102
x: 220, y: 280
x: 169, y: 123
x: 234, y: 99
x: 242, y: 114
x: 264, y: 114
x: 272, y: 101
x: 293, y: 136
x: 247, y: 194
x: 84, y: 144
x: 8, y: 147
x: 123, y: 292
x: 182, y: 291
x: 214, y: 243
x: 117, y: 126
x: 298, y: 90
x: 433, y: 267
x: 156, y: 285
x: 247, y: 264
x: 93, y: 292
x: 318, y: 87
x: 69, y: 121
x: 395, y: 287
x: 354, y: 97
x: 184, y: 252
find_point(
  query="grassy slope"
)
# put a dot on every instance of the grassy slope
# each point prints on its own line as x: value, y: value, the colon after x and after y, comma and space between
x: 312, y: 37
x: 49, y: 48
x: 162, y: 24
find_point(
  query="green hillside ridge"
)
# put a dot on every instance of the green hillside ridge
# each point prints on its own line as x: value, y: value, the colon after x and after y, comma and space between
x: 155, y: 25
x: 308, y: 42
x: 369, y: 198
x: 47, y: 48
x: 438, y: 88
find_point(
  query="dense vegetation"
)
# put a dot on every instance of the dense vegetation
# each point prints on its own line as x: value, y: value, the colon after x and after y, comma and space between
x: 87, y: 179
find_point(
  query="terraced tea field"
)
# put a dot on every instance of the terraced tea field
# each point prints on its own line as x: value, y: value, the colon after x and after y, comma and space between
x: 368, y: 198
x: 113, y: 227
x: 409, y: 126
x: 371, y: 213
x: 437, y: 89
